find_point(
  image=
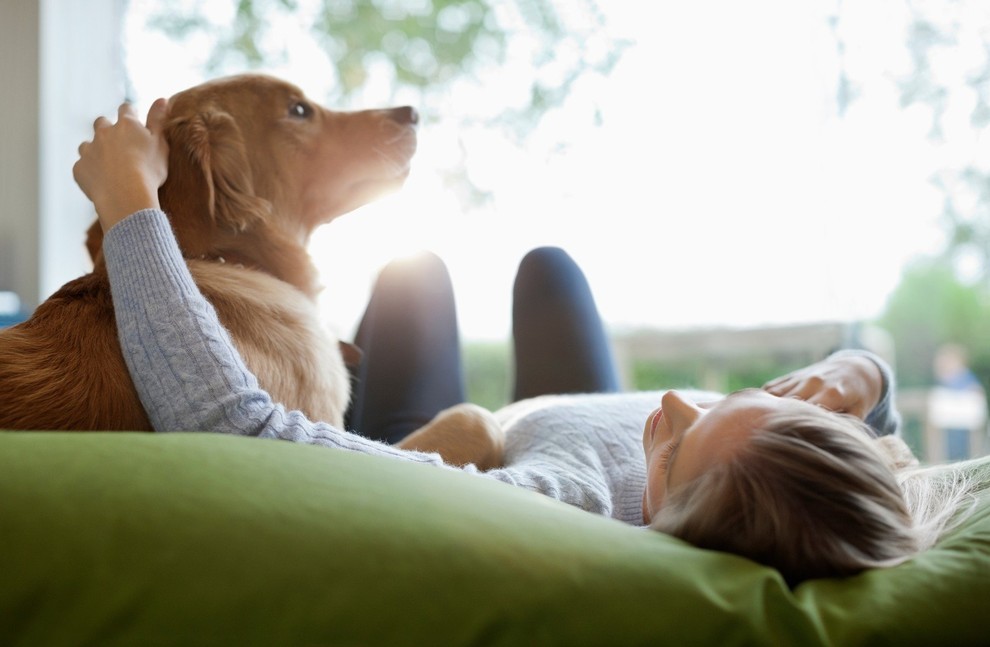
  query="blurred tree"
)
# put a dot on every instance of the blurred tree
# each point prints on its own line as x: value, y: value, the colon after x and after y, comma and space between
x: 487, y: 368
x: 931, y: 306
x: 425, y: 42
x: 938, y: 30
x: 944, y: 298
x: 423, y: 49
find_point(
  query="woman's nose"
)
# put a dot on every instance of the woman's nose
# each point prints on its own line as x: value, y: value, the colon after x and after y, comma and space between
x: 681, y: 412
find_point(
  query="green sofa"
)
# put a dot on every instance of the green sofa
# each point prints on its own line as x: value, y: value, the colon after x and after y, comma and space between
x: 200, y: 539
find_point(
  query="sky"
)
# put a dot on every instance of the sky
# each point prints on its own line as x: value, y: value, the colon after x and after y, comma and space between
x: 721, y: 188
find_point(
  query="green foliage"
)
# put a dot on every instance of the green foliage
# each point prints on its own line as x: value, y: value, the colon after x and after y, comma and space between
x: 756, y: 372
x: 966, y: 215
x: 427, y: 43
x: 424, y: 49
x: 488, y: 373
x: 487, y: 370
x: 912, y: 432
x: 933, y: 305
x: 930, y: 307
x: 937, y: 29
x: 653, y: 376
x: 741, y: 373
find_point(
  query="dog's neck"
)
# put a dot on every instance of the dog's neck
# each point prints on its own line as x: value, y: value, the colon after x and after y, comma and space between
x: 294, y: 267
x: 232, y: 259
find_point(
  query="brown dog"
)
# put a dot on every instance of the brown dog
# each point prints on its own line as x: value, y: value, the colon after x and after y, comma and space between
x: 254, y: 168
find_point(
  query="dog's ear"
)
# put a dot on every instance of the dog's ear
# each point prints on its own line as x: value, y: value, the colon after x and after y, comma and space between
x: 94, y: 241
x: 212, y: 141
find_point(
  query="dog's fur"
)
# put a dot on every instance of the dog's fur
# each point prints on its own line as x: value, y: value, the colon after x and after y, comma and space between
x: 254, y: 168
x: 464, y: 433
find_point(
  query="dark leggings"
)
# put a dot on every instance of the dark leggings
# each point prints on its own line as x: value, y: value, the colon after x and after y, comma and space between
x: 411, y: 368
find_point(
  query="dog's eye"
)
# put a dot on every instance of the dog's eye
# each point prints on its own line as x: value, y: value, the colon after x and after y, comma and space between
x: 301, y: 110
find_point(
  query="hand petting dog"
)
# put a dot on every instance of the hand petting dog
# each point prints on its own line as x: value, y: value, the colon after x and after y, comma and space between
x: 121, y: 170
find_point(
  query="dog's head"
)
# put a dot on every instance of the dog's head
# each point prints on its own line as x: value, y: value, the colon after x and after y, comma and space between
x: 253, y: 163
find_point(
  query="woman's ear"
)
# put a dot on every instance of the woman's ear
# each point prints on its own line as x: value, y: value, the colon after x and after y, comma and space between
x: 212, y: 142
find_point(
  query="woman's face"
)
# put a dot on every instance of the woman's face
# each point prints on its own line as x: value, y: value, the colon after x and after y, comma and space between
x: 682, y: 440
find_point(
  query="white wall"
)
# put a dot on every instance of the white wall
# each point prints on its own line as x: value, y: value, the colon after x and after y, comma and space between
x: 19, y: 126
x: 60, y: 67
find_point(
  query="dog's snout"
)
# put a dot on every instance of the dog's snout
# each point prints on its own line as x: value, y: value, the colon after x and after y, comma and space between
x: 404, y: 115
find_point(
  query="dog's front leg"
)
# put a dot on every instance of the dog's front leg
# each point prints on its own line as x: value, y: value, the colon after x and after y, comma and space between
x: 462, y: 434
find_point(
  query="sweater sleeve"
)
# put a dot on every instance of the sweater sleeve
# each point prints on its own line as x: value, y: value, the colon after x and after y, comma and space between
x: 184, y: 365
x: 884, y: 418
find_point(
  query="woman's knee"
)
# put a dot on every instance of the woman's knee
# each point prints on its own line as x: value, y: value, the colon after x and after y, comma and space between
x: 545, y: 260
x: 547, y: 270
x: 404, y: 274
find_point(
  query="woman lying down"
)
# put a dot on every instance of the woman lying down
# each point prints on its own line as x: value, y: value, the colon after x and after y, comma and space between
x: 773, y: 474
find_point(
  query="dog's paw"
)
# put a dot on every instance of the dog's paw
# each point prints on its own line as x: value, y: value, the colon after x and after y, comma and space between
x: 462, y: 434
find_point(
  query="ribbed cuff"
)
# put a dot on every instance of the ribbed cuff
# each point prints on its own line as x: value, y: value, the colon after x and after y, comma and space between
x: 143, y: 259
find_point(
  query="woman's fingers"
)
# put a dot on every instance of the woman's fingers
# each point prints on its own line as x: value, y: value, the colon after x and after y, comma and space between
x: 126, y: 111
x: 157, y: 115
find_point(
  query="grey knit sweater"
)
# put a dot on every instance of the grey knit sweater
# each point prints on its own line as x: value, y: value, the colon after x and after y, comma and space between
x: 585, y: 450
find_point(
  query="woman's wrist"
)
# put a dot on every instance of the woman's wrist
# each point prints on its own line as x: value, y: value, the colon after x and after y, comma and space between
x: 120, y: 205
x: 872, y: 377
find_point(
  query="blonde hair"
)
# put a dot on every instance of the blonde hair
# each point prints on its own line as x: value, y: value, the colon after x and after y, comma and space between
x: 812, y: 495
x: 941, y: 497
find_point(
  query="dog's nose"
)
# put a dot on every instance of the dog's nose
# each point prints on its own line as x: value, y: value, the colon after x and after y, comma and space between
x: 404, y: 115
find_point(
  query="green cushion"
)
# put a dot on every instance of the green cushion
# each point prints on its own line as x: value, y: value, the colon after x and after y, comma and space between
x: 145, y: 539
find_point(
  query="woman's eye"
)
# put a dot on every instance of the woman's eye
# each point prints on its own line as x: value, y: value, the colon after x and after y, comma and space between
x: 666, y: 454
x: 300, y: 109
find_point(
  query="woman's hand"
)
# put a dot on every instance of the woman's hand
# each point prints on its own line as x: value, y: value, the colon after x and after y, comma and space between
x: 125, y: 164
x: 845, y: 383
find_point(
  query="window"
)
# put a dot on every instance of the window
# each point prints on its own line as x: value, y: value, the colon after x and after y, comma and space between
x: 716, y: 163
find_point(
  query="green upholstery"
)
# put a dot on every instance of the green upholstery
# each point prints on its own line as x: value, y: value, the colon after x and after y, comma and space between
x: 145, y: 539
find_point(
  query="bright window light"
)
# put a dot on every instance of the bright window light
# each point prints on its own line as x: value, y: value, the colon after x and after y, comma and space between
x: 711, y: 179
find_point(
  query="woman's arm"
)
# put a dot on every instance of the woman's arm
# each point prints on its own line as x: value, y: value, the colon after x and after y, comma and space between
x: 856, y: 382
x: 186, y: 370
x: 182, y: 361
x: 883, y: 417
